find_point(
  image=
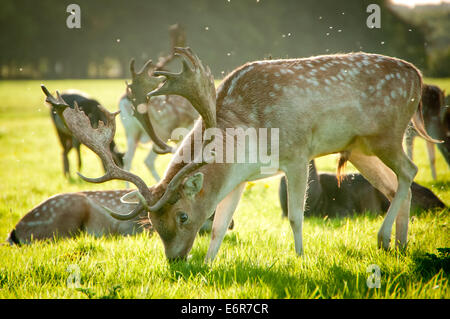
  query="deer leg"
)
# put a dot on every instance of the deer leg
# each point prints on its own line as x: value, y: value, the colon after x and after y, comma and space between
x: 432, y: 158
x: 150, y: 163
x: 66, y: 162
x: 128, y: 157
x: 297, y: 178
x: 77, y: 147
x: 395, y: 186
x: 409, y: 142
x: 222, y: 219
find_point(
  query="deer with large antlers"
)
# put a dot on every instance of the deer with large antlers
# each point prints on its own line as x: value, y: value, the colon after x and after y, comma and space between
x: 355, y: 104
x: 165, y: 113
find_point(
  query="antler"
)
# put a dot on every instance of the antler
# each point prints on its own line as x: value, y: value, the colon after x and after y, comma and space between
x: 98, y: 140
x: 196, y: 85
x: 140, y: 85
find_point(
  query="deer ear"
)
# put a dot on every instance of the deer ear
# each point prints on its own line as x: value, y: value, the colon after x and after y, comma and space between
x: 130, y: 198
x: 193, y: 184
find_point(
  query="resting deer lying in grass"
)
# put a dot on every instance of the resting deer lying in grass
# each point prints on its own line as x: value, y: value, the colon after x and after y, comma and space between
x: 357, y: 104
x: 436, y: 116
x: 353, y: 195
x: 68, y: 141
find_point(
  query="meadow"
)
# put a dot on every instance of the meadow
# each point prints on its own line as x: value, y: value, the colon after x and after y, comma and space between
x: 256, y: 259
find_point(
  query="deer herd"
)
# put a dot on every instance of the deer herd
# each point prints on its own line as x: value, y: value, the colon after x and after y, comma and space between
x: 361, y: 106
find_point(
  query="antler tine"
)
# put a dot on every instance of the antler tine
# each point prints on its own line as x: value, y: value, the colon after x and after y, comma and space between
x: 132, y: 70
x: 56, y: 102
x: 195, y: 85
x: 146, y: 67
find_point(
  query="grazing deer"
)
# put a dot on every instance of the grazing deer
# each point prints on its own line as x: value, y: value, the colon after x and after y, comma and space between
x: 436, y: 116
x: 68, y: 141
x: 353, y: 195
x: 164, y: 113
x: 355, y: 104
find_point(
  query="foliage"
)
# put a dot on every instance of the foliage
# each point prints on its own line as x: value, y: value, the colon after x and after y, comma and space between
x: 224, y: 33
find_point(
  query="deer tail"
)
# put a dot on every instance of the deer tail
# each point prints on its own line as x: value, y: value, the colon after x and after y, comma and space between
x: 419, y: 125
x: 341, y: 166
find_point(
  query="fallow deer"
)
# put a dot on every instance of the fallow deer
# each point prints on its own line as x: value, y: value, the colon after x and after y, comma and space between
x: 436, y: 116
x: 356, y: 104
x: 353, y: 195
x: 68, y: 141
x: 164, y: 113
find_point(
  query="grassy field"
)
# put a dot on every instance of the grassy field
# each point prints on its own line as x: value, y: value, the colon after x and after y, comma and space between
x: 256, y: 259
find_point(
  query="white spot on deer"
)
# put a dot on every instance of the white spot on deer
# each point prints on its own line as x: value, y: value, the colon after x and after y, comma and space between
x: 376, y: 65
x: 277, y: 74
x: 393, y: 94
x: 380, y: 84
x: 323, y: 68
x: 271, y: 94
x: 237, y: 77
x: 327, y: 81
x: 44, y: 208
x: 298, y: 67
x: 386, y: 100
x: 301, y: 77
x: 398, y: 75
x: 37, y: 214
x: 276, y: 86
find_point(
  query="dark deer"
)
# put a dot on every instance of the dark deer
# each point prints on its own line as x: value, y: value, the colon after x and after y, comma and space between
x: 351, y: 196
x: 68, y: 141
x: 436, y: 116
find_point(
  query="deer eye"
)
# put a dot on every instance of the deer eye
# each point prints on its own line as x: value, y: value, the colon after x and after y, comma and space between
x: 183, y: 217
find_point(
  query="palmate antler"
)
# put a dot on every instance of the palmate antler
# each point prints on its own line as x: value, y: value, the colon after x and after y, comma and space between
x: 140, y: 85
x: 98, y: 140
x: 196, y: 85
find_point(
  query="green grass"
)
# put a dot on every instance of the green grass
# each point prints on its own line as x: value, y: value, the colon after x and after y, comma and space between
x: 256, y: 259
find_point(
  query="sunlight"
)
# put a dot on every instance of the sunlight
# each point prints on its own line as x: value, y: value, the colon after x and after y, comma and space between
x: 413, y: 3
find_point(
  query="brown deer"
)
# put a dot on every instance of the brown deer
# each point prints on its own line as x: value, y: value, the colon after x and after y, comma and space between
x: 355, y: 104
x: 436, y: 116
x: 164, y: 113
